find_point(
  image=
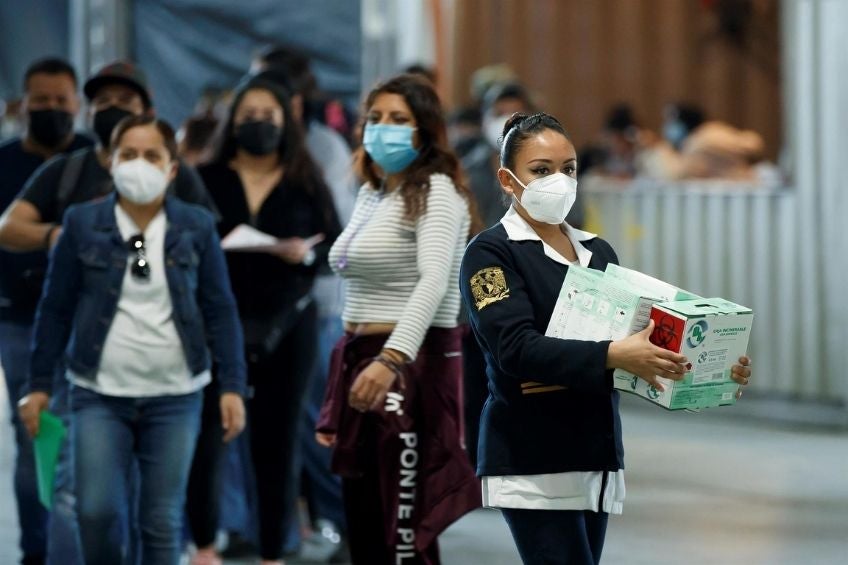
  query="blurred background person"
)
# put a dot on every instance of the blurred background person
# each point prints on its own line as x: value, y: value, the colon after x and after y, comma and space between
x: 49, y: 107
x: 116, y: 91
x: 483, y: 78
x: 500, y: 101
x: 10, y: 118
x: 194, y: 139
x: 465, y: 131
x: 425, y: 71
x: 614, y: 154
x: 717, y: 150
x: 137, y: 333
x: 395, y: 376
x: 292, y: 70
x: 659, y: 157
x: 263, y: 177
x: 679, y: 121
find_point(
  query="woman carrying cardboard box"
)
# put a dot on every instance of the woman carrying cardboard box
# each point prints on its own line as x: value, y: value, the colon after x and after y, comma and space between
x: 550, y: 452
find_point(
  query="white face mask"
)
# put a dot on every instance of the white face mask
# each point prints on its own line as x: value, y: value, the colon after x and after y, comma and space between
x: 548, y: 199
x: 493, y: 129
x: 139, y: 181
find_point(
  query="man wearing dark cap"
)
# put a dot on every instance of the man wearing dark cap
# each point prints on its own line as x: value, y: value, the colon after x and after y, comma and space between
x: 50, y: 105
x: 32, y: 222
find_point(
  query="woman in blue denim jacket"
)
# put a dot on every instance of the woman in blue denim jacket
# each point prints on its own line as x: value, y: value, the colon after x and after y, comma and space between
x: 137, y: 287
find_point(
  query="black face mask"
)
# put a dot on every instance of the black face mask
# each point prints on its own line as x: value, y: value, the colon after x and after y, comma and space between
x: 49, y: 128
x: 106, y: 120
x: 259, y: 138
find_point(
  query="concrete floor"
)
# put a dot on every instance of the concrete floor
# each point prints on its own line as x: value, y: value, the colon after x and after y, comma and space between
x: 703, y: 489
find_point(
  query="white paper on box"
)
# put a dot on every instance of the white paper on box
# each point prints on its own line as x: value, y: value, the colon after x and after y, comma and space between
x: 592, y: 307
x: 654, y: 288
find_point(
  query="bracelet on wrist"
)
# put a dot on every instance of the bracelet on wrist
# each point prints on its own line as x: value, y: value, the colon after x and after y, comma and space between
x: 49, y: 235
x: 394, y: 355
x: 391, y: 364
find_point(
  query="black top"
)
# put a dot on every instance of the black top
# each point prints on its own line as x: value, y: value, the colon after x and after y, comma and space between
x: 94, y: 181
x: 265, y: 285
x: 21, y: 273
x: 551, y: 406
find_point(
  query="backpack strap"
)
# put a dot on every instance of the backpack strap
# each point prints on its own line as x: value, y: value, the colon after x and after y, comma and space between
x: 70, y: 176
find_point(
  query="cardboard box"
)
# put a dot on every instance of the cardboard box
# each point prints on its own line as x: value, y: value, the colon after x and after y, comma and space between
x: 712, y: 333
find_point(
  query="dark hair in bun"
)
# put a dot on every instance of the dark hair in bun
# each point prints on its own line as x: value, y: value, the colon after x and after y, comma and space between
x: 519, y: 127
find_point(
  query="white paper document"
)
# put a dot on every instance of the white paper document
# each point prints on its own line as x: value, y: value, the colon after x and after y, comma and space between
x: 245, y: 237
x: 593, y: 307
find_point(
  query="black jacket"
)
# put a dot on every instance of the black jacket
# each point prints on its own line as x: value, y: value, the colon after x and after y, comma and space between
x: 551, y: 407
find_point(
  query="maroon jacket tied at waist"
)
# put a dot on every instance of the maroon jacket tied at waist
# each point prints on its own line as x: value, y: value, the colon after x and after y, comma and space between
x: 416, y: 435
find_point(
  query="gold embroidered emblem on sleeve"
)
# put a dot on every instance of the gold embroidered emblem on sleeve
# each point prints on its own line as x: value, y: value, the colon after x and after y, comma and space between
x: 488, y: 286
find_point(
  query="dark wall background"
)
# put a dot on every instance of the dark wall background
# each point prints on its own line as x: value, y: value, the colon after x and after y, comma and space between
x: 583, y: 56
x: 29, y: 30
x: 189, y: 45
x: 186, y: 46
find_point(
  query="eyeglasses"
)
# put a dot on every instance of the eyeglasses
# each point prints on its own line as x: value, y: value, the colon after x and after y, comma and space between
x: 140, y: 266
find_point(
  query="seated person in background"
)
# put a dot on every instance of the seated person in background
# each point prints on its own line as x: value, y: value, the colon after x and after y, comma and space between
x: 660, y: 158
x: 717, y: 150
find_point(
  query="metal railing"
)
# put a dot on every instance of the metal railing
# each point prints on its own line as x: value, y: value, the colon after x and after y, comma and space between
x: 735, y: 241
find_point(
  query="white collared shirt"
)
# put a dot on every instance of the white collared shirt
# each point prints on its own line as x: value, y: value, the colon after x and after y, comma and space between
x: 517, y: 229
x: 574, y: 490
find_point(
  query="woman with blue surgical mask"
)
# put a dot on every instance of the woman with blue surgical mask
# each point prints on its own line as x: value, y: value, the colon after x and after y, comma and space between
x: 550, y: 453
x: 392, y: 410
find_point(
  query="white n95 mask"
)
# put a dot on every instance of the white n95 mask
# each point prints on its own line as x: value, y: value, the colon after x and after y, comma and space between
x: 139, y: 181
x: 548, y: 199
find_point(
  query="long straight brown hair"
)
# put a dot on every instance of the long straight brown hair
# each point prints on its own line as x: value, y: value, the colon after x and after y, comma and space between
x: 435, y: 156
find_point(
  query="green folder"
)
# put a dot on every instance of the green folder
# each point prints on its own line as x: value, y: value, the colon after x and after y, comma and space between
x: 48, y: 442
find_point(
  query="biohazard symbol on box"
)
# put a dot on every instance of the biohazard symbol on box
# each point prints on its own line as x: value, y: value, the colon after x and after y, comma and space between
x: 488, y: 286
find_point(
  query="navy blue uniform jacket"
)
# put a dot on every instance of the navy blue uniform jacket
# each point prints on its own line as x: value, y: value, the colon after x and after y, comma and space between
x: 551, y: 406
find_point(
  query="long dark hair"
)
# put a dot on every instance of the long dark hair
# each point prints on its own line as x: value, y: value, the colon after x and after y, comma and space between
x: 434, y: 155
x: 298, y: 166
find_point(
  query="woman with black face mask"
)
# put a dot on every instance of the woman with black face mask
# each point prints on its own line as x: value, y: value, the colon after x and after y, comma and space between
x: 263, y: 178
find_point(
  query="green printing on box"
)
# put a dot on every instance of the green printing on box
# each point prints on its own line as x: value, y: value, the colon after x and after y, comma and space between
x: 679, y: 396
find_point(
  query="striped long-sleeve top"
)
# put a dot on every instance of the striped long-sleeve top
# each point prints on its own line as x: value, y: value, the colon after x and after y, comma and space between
x: 401, y: 271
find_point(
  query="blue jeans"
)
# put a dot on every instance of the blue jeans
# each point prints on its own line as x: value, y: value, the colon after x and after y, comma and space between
x: 32, y: 517
x: 322, y: 489
x: 110, y: 434
x: 55, y: 535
